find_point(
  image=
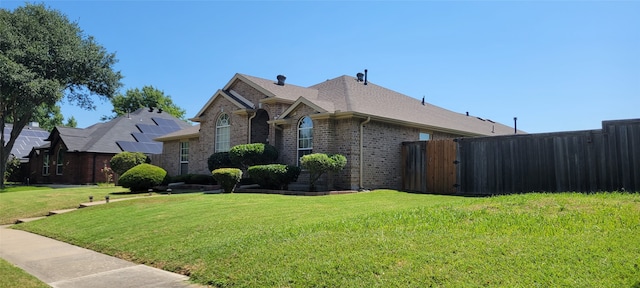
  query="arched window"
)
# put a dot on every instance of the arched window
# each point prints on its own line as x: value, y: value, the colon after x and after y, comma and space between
x: 60, y: 161
x: 223, y: 136
x: 305, y: 137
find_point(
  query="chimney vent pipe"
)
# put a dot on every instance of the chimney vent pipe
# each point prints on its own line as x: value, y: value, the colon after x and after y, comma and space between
x: 365, y: 76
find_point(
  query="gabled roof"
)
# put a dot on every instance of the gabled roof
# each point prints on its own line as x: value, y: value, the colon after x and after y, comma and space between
x: 344, y: 96
x: 235, y: 98
x: 286, y: 93
x: 272, y: 89
x: 125, y: 133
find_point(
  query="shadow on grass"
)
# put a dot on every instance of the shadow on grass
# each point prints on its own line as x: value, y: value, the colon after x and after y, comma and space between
x: 174, y: 191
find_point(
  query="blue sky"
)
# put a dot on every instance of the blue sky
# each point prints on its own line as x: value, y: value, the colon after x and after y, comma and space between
x: 556, y: 65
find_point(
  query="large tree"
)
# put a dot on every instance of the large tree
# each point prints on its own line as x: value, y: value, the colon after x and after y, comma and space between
x: 43, y: 57
x: 148, y: 96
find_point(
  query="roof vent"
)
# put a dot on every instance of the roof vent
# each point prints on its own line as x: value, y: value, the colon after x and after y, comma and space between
x: 360, y: 76
x: 365, y: 76
x: 150, y: 109
x: 281, y: 79
x: 159, y: 110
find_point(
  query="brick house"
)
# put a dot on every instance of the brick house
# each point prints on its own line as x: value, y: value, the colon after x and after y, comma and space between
x: 348, y: 115
x: 75, y: 156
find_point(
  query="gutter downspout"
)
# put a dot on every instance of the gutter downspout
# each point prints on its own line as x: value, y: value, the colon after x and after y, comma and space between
x: 361, y: 149
x: 249, y: 132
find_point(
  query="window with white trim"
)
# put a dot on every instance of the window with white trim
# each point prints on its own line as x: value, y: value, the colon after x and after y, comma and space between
x: 60, y: 161
x: 305, y: 136
x: 223, y: 134
x: 425, y: 136
x: 45, y: 162
x: 184, y: 158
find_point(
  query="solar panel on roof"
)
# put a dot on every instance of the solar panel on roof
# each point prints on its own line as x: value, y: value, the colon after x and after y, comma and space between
x: 145, y: 137
x: 166, y: 122
x: 26, y: 140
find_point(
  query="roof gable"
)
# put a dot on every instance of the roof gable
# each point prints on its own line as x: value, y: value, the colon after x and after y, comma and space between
x: 317, y: 105
x: 233, y: 97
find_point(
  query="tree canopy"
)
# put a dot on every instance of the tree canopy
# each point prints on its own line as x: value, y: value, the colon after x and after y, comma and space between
x: 148, y: 96
x: 43, y: 57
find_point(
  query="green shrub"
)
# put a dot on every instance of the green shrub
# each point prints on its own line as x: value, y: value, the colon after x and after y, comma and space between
x: 320, y: 163
x: 219, y: 160
x: 227, y: 178
x: 12, y: 172
x: 274, y: 176
x: 142, y: 177
x: 247, y: 155
x: 124, y: 161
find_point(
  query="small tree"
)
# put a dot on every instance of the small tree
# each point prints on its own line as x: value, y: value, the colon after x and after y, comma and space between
x: 13, y: 169
x: 320, y: 163
x: 107, y: 172
x: 124, y: 161
x: 142, y: 177
x: 227, y: 178
x: 246, y: 155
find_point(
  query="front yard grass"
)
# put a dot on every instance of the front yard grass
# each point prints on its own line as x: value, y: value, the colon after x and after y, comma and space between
x: 33, y: 201
x: 12, y: 276
x: 377, y: 239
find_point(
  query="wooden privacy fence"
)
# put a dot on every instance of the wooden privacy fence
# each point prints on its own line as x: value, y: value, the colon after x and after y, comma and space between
x: 581, y: 161
x: 428, y: 166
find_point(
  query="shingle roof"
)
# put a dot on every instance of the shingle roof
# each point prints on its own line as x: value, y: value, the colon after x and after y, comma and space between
x: 105, y: 137
x: 346, y: 95
x: 287, y: 91
x: 349, y: 95
x: 29, y: 137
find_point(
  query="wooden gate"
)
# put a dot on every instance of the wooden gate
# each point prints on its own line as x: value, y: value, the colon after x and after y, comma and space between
x: 429, y: 166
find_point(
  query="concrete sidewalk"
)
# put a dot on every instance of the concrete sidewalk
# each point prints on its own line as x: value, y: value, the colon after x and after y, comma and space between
x: 64, y: 265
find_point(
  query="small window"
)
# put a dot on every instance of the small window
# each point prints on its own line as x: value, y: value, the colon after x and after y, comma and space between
x: 45, y: 162
x: 223, y: 134
x: 305, y: 137
x: 60, y: 161
x: 184, y: 158
x: 425, y: 136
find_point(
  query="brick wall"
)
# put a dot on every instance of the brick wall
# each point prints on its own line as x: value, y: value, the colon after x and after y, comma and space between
x: 78, y: 168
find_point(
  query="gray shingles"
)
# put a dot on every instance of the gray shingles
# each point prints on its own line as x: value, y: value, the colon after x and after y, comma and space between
x: 102, y: 137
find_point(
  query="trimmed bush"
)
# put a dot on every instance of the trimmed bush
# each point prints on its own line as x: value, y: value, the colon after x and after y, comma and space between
x: 219, y: 160
x: 274, y: 176
x: 142, y: 177
x: 247, y: 155
x: 320, y: 163
x: 227, y: 178
x: 124, y: 161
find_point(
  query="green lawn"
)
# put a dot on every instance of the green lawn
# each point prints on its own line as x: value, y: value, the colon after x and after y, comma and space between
x: 377, y: 239
x: 12, y: 276
x: 32, y: 201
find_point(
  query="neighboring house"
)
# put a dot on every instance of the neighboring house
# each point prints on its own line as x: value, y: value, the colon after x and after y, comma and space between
x: 365, y: 122
x: 76, y: 156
